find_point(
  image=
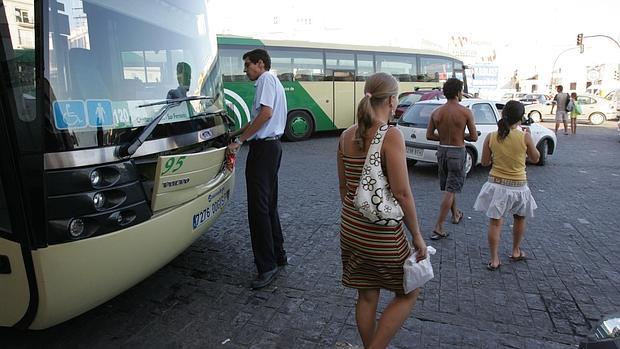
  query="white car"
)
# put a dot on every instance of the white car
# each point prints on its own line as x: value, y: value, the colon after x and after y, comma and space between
x: 593, y: 108
x: 512, y: 96
x: 414, y: 121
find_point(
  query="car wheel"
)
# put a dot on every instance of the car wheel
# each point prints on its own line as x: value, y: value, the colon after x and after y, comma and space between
x: 597, y: 118
x: 469, y: 161
x: 299, y: 126
x: 535, y: 115
x: 543, y: 149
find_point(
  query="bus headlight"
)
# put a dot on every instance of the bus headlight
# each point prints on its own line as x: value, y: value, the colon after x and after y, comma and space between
x: 76, y: 227
x: 99, y: 200
x: 95, y: 178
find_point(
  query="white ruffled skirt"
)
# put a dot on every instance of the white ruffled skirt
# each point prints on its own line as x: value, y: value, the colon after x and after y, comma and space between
x: 498, y: 200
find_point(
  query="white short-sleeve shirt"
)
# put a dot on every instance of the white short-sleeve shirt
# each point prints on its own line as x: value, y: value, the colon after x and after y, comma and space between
x: 270, y: 93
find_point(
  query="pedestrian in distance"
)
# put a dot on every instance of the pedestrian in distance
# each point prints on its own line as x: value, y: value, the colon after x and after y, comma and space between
x: 263, y: 132
x: 561, y: 101
x: 373, y: 255
x: 506, y: 191
x: 450, y: 121
x: 575, y: 110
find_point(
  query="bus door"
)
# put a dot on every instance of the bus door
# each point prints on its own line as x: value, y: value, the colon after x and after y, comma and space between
x: 18, y: 290
x: 17, y: 298
x: 344, y: 98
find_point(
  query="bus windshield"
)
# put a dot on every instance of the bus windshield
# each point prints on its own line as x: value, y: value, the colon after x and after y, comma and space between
x: 105, y: 58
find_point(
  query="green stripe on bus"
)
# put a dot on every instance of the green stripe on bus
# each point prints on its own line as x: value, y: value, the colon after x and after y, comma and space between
x: 297, y: 98
x: 226, y: 40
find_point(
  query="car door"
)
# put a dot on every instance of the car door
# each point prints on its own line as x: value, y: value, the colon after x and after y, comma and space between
x: 485, y: 116
x: 588, y: 106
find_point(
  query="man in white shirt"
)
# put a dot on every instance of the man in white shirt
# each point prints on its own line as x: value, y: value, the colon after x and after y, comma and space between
x: 263, y: 132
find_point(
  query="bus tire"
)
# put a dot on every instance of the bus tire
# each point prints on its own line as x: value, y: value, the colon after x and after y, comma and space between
x: 299, y: 126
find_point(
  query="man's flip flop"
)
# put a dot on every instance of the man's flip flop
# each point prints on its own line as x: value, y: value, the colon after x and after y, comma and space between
x: 460, y: 217
x: 520, y: 257
x: 438, y: 236
x: 492, y: 268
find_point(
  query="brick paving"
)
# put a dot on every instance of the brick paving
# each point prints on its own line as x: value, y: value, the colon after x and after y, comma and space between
x: 202, y: 298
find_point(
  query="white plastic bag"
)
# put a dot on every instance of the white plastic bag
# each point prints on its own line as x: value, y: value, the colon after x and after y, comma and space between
x: 417, y: 274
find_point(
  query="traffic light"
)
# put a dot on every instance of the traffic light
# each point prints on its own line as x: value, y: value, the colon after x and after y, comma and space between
x: 579, y: 39
x: 617, y: 75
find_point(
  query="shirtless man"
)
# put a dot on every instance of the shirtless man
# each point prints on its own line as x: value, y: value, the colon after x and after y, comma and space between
x: 450, y: 120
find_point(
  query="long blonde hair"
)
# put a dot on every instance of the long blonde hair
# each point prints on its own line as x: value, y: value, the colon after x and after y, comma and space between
x: 377, y: 89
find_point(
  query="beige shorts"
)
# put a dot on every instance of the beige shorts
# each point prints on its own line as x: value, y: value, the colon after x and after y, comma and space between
x: 561, y: 115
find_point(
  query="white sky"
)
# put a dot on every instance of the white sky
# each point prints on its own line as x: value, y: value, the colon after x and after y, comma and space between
x: 527, y: 35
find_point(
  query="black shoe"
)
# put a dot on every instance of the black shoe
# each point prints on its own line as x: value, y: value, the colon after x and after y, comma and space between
x: 264, y: 279
x: 283, y: 263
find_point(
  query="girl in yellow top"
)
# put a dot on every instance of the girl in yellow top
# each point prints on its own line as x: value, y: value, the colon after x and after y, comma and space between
x: 506, y: 191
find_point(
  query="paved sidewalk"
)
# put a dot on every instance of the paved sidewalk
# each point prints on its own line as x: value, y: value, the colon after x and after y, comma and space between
x: 202, y: 298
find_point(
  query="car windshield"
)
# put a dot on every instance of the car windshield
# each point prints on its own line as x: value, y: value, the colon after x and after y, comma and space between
x: 409, y: 99
x: 418, y: 114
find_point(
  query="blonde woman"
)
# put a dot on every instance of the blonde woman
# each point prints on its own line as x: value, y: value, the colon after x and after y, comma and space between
x: 373, y: 255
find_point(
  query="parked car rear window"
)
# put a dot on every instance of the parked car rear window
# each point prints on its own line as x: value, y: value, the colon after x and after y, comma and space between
x: 418, y: 114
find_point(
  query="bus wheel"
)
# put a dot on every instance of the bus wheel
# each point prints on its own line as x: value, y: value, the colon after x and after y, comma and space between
x: 299, y: 126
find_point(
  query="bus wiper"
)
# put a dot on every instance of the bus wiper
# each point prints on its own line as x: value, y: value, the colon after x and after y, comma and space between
x: 130, y: 148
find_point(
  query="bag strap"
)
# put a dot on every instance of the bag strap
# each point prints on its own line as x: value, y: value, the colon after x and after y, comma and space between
x: 377, y: 141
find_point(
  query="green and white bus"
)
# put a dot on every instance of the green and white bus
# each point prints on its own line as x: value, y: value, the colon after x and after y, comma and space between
x: 112, y: 138
x: 324, y: 82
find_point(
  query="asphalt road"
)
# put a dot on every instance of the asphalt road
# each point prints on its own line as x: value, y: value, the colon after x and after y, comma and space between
x: 202, y: 298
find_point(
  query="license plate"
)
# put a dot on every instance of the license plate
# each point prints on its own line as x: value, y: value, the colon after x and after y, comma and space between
x: 216, y: 204
x: 417, y: 152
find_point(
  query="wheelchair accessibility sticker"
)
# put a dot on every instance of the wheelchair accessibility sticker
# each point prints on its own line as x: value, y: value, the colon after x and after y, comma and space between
x: 69, y: 114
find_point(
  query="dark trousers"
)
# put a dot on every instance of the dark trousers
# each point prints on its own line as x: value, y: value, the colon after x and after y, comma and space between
x: 261, y: 178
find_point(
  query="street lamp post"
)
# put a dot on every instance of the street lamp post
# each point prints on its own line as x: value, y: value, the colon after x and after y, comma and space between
x: 602, y: 36
x: 554, y: 62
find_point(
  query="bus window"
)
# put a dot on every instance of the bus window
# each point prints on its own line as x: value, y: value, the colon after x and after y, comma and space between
x: 297, y: 65
x: 339, y: 61
x: 435, y: 69
x: 231, y: 62
x: 21, y: 58
x: 365, y: 66
x: 104, y: 61
x: 403, y: 68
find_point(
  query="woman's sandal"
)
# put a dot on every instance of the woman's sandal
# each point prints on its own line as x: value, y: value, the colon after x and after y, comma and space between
x: 520, y: 257
x: 438, y: 236
x: 492, y: 268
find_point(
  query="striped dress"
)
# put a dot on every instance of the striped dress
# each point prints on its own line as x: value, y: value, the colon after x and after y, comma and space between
x: 372, y: 255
